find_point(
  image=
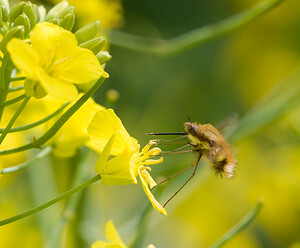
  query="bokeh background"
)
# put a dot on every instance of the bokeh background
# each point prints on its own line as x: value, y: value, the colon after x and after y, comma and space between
x: 207, y: 83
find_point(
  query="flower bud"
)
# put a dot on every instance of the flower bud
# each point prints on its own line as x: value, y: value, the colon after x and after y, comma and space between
x: 66, y: 11
x: 15, y: 11
x: 23, y: 20
x: 68, y: 22
x: 55, y: 21
x: 103, y: 57
x: 4, y: 14
x: 87, y: 32
x: 29, y: 10
x: 112, y: 95
x: 40, y: 12
x: 16, y: 32
x: 95, y: 45
x: 5, y: 4
x: 56, y: 10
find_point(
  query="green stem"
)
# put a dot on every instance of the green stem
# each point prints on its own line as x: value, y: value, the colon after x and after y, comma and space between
x: 37, y: 123
x: 193, y: 38
x: 50, y: 203
x: 27, y: 163
x: 14, y: 118
x: 239, y: 226
x: 142, y: 226
x: 58, y: 124
x: 15, y: 89
x: 17, y: 79
x: 71, y: 206
x: 4, y: 81
x: 12, y: 101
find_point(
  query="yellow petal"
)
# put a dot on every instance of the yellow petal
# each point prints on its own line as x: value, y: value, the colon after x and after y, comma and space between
x: 49, y: 39
x: 56, y: 88
x: 103, y: 244
x: 73, y: 133
x: 82, y: 68
x: 118, y: 170
x: 100, y: 244
x: 100, y: 165
x: 106, y: 123
x: 112, y: 234
x: 144, y: 177
x: 24, y: 56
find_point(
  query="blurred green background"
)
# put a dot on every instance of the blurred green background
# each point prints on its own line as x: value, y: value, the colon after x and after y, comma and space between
x: 207, y: 83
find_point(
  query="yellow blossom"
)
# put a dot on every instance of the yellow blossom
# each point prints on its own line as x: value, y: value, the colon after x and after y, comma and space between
x: 109, y: 12
x: 109, y: 137
x: 73, y: 134
x: 112, y: 235
x: 53, y: 63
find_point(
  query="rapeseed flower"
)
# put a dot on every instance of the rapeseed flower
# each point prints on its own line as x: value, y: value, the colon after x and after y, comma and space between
x: 53, y: 63
x: 73, y: 134
x: 109, y: 137
x: 113, y: 237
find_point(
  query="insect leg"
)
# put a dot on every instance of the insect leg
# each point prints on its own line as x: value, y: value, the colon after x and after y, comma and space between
x: 178, y: 173
x: 196, y: 166
x: 172, y: 153
x: 180, y: 148
x: 167, y: 141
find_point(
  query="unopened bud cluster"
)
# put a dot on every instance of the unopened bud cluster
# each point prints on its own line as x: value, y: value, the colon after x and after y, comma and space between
x: 21, y: 18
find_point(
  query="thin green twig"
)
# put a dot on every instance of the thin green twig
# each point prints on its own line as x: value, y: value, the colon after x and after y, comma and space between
x: 71, y: 205
x: 58, y: 124
x: 27, y: 163
x: 239, y: 226
x: 50, y: 203
x: 142, y: 225
x: 4, y: 81
x: 13, y: 119
x: 37, y: 123
x: 14, y: 100
x: 17, y: 88
x: 17, y: 79
x: 193, y: 38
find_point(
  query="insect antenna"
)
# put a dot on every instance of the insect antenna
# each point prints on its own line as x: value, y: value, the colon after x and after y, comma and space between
x: 196, y: 163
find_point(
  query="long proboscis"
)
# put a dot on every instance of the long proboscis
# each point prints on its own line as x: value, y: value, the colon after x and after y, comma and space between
x: 176, y: 133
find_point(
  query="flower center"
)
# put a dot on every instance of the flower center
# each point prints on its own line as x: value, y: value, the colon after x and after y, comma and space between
x: 52, y: 64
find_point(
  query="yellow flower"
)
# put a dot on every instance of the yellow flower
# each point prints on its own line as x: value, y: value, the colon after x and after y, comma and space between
x: 109, y: 137
x: 109, y: 12
x: 53, y: 62
x: 112, y: 235
x: 73, y: 134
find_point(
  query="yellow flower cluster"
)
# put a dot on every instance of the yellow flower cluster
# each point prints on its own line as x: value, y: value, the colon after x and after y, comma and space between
x: 53, y: 63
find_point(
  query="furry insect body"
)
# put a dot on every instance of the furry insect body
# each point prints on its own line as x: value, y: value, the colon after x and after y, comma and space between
x: 209, y: 141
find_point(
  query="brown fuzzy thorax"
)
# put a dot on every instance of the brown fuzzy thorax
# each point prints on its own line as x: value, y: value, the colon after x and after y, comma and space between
x: 208, y: 140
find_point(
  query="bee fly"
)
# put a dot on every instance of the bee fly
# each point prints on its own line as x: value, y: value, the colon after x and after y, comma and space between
x: 204, y: 140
